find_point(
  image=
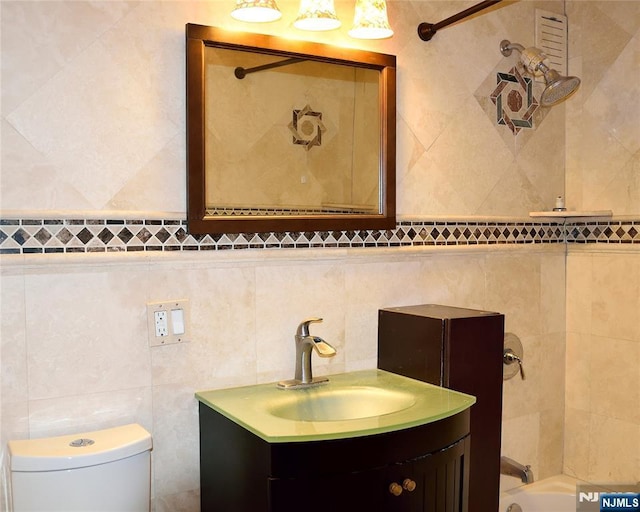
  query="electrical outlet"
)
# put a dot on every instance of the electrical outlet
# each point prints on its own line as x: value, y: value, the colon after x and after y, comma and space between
x: 161, y: 323
x: 168, y: 322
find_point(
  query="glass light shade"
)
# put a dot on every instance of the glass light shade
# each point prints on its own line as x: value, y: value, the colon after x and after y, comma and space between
x: 317, y: 15
x: 370, y: 20
x: 256, y: 11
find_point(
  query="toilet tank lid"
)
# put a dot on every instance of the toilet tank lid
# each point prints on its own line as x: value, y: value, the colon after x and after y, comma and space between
x: 69, y: 452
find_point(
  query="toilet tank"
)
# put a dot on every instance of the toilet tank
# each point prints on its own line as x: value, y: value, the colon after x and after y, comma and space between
x: 102, y: 471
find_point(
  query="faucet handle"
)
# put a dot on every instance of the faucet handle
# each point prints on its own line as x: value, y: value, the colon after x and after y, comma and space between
x: 510, y: 357
x: 303, y: 328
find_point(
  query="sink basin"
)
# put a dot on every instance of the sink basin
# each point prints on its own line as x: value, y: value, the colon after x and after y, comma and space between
x: 347, y: 403
x: 352, y: 404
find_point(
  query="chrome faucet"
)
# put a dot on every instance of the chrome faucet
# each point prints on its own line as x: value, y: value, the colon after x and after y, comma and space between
x: 510, y: 467
x: 305, y: 344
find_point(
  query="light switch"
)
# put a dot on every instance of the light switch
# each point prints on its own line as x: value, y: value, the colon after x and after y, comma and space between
x: 177, y: 321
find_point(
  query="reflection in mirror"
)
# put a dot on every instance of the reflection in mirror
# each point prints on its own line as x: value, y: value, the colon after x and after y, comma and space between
x: 305, y: 135
x: 287, y: 135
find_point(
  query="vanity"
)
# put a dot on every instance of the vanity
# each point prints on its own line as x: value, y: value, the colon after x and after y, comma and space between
x: 367, y: 440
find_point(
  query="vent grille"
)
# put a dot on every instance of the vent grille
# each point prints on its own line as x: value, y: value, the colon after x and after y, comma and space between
x: 551, y: 38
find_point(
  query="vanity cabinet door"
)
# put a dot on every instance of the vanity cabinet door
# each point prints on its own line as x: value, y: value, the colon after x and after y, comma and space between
x: 436, y: 482
x: 404, y: 487
x: 351, y: 492
x: 446, y: 479
x: 433, y: 483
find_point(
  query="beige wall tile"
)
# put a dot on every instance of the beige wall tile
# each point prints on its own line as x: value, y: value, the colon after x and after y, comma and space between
x: 551, y: 443
x: 578, y: 372
x: 187, y: 501
x: 553, y: 294
x: 86, y: 411
x: 576, y: 443
x: 603, y: 366
x: 176, y: 439
x: 13, y: 338
x: 513, y: 288
x: 602, y: 128
x: 616, y: 298
x: 520, y: 442
x: 82, y: 335
x: 579, y: 293
x: 615, y: 391
x: 613, y: 453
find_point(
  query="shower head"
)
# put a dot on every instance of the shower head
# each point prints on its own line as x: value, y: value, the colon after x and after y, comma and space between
x: 558, y: 88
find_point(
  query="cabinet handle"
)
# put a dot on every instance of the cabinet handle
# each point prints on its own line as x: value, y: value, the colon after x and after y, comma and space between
x: 395, y: 489
x: 409, y: 484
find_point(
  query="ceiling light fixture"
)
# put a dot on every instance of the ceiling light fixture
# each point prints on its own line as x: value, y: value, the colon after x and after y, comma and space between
x: 317, y: 15
x: 256, y: 11
x: 370, y: 20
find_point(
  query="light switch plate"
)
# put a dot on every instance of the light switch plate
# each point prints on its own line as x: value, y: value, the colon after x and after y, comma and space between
x: 168, y: 322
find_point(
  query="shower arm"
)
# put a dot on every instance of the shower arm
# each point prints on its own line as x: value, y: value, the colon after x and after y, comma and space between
x: 427, y: 30
x: 506, y: 47
x: 531, y: 58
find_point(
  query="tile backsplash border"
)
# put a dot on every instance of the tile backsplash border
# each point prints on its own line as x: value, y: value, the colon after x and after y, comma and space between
x: 108, y: 235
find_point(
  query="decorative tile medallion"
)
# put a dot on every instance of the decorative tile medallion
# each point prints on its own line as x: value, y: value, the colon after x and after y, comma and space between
x: 307, y: 127
x: 514, y: 100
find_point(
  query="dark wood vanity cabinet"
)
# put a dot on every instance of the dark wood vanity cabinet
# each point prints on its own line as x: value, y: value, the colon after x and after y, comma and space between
x: 460, y: 349
x: 419, y: 469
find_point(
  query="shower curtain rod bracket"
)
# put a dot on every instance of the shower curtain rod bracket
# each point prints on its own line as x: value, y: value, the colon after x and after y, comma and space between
x: 426, y: 31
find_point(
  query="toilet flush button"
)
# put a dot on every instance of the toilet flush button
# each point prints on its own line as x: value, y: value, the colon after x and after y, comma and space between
x: 78, y: 443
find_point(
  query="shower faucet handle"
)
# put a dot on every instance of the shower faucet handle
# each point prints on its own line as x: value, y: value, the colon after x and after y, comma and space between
x: 510, y: 357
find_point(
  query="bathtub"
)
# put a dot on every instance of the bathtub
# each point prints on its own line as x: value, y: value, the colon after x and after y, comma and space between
x: 554, y: 494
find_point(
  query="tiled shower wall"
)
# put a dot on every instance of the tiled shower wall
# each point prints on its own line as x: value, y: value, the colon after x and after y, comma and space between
x: 602, y: 438
x: 93, y: 125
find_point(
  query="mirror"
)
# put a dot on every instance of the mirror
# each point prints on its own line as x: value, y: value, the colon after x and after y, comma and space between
x: 287, y: 135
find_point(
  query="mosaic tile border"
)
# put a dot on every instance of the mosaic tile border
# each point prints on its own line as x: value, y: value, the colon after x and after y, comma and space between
x: 38, y: 236
x: 608, y: 232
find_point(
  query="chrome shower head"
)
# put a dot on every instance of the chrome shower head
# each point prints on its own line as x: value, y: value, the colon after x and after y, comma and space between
x: 558, y: 87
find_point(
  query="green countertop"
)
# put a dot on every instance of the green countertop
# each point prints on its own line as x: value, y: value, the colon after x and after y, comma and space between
x: 252, y: 406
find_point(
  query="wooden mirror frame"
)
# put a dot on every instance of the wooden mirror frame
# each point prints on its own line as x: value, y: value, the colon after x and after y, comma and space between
x: 198, y: 37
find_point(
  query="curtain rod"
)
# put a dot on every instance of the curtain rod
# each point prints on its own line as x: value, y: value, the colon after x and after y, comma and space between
x: 241, y: 72
x: 427, y: 30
